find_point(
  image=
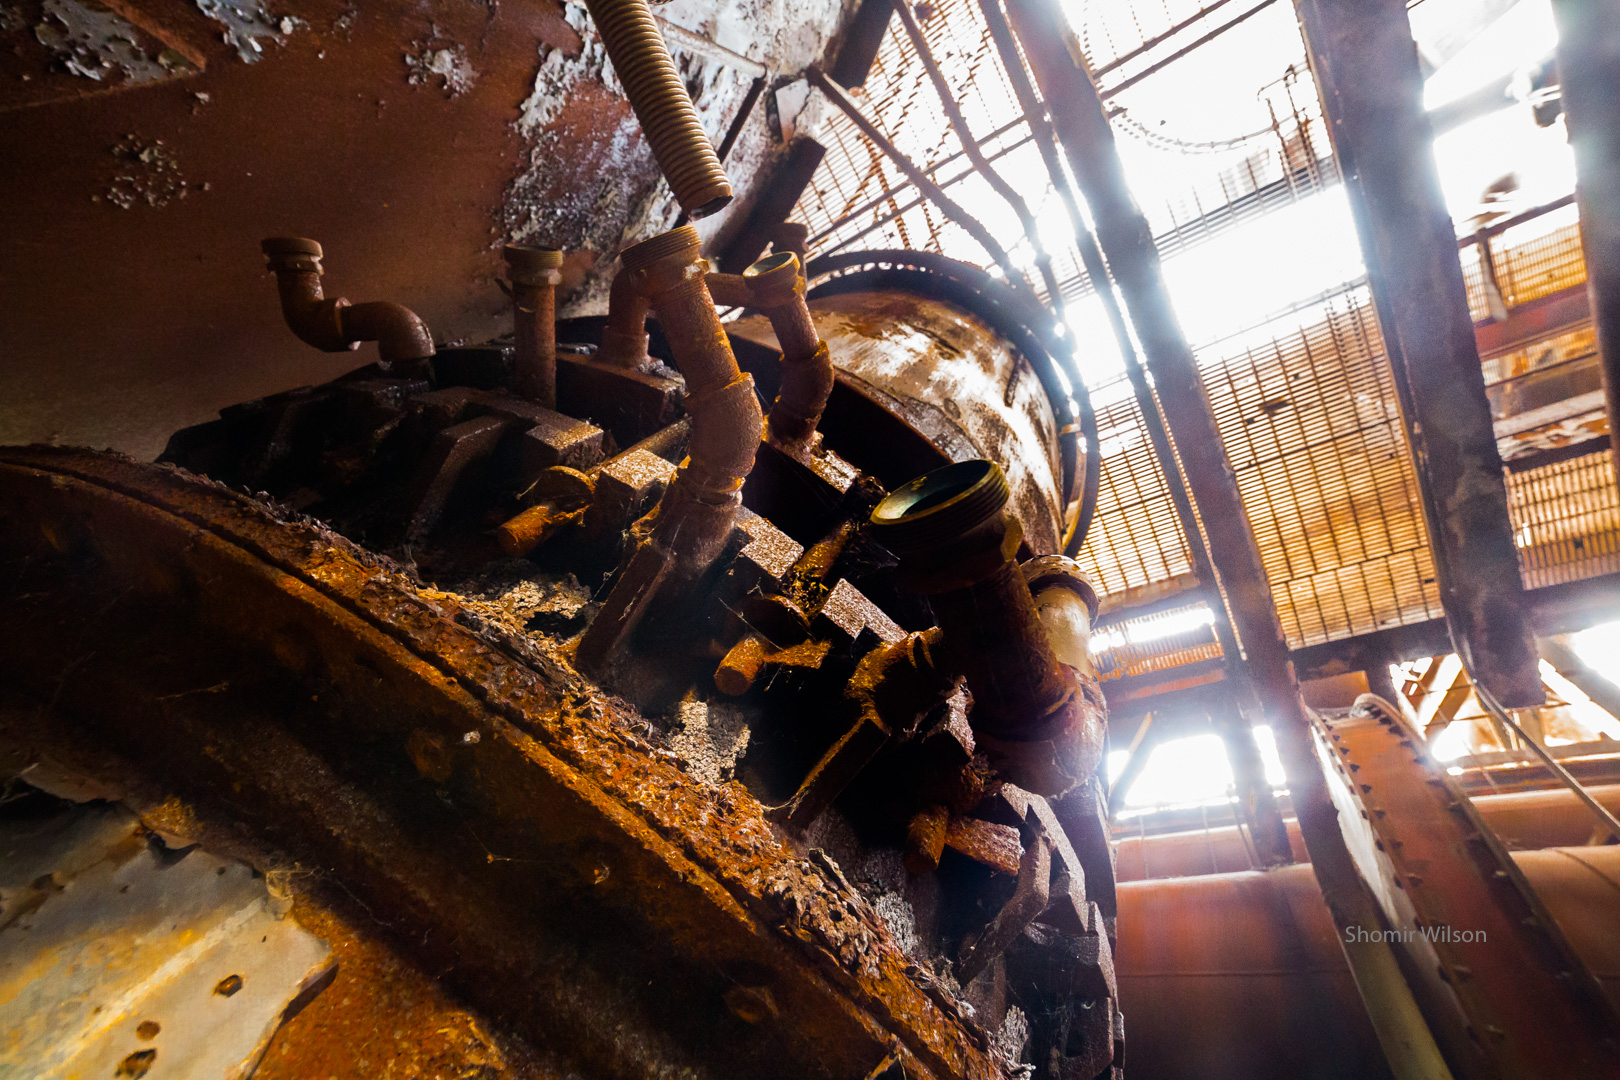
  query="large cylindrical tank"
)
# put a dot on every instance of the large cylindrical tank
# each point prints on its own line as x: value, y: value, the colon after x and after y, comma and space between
x: 923, y: 382
x: 1524, y: 820
x: 1241, y: 976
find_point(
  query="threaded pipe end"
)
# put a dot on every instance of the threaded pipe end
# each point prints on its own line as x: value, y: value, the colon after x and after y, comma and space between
x: 940, y: 506
x: 521, y: 258
x: 683, y: 241
x: 289, y: 245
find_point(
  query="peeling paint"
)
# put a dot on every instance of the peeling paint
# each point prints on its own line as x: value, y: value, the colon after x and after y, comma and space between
x: 247, y: 23
x: 149, y: 174
x: 630, y: 200
x: 579, y: 127
x: 446, y: 61
x: 97, y: 44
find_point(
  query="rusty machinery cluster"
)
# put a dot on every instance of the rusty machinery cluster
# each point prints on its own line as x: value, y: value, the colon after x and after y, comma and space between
x: 865, y: 570
x: 889, y: 650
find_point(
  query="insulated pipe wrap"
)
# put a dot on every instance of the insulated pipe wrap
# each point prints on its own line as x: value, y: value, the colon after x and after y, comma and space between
x: 662, y: 104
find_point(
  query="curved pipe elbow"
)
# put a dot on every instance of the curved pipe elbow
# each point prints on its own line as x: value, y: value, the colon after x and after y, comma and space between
x: 624, y: 338
x: 807, y: 383
x: 398, y: 332
x: 776, y: 284
x: 335, y: 325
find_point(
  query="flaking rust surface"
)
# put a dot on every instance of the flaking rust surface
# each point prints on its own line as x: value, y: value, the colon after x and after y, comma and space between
x: 382, y: 1017
x: 732, y: 867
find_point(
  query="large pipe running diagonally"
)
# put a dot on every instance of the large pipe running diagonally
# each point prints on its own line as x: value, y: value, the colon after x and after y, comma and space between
x: 693, y: 520
x: 1127, y: 241
x: 336, y: 325
x: 1257, y: 802
x: 662, y: 104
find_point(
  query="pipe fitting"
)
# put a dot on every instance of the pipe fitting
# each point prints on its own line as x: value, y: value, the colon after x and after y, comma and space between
x: 692, y: 522
x: 726, y: 418
x: 535, y: 274
x: 777, y: 285
x: 729, y: 290
x: 1067, y: 606
x: 1040, y: 720
x: 624, y: 338
x: 336, y: 325
x: 659, y: 97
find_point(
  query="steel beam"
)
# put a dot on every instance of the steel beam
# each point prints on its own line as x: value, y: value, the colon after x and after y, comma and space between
x: 1589, y: 66
x: 1127, y: 243
x: 1366, y: 68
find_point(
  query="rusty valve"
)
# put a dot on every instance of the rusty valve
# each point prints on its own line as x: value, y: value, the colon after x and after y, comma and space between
x: 1040, y: 721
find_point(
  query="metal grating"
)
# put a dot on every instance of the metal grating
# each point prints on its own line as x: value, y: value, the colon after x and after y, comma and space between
x: 1311, y: 424
x: 1566, y: 519
x: 1531, y: 263
x: 1135, y: 538
x: 1535, y: 258
x: 1560, y: 348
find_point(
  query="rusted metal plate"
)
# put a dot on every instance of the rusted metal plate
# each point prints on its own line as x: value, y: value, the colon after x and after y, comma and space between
x: 411, y: 139
x: 461, y: 781
x: 945, y: 374
x: 121, y: 957
x: 1499, y: 982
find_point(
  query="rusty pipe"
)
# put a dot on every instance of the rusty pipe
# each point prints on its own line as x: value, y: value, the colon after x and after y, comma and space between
x: 693, y: 520
x: 336, y: 325
x: 535, y: 274
x: 624, y: 338
x: 777, y: 285
x: 729, y: 290
x: 659, y: 97
x: 1040, y: 721
x: 726, y: 418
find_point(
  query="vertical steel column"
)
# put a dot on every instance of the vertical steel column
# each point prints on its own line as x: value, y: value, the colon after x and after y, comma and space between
x: 1589, y: 67
x: 1264, y: 819
x: 1127, y: 243
x: 1366, y: 68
